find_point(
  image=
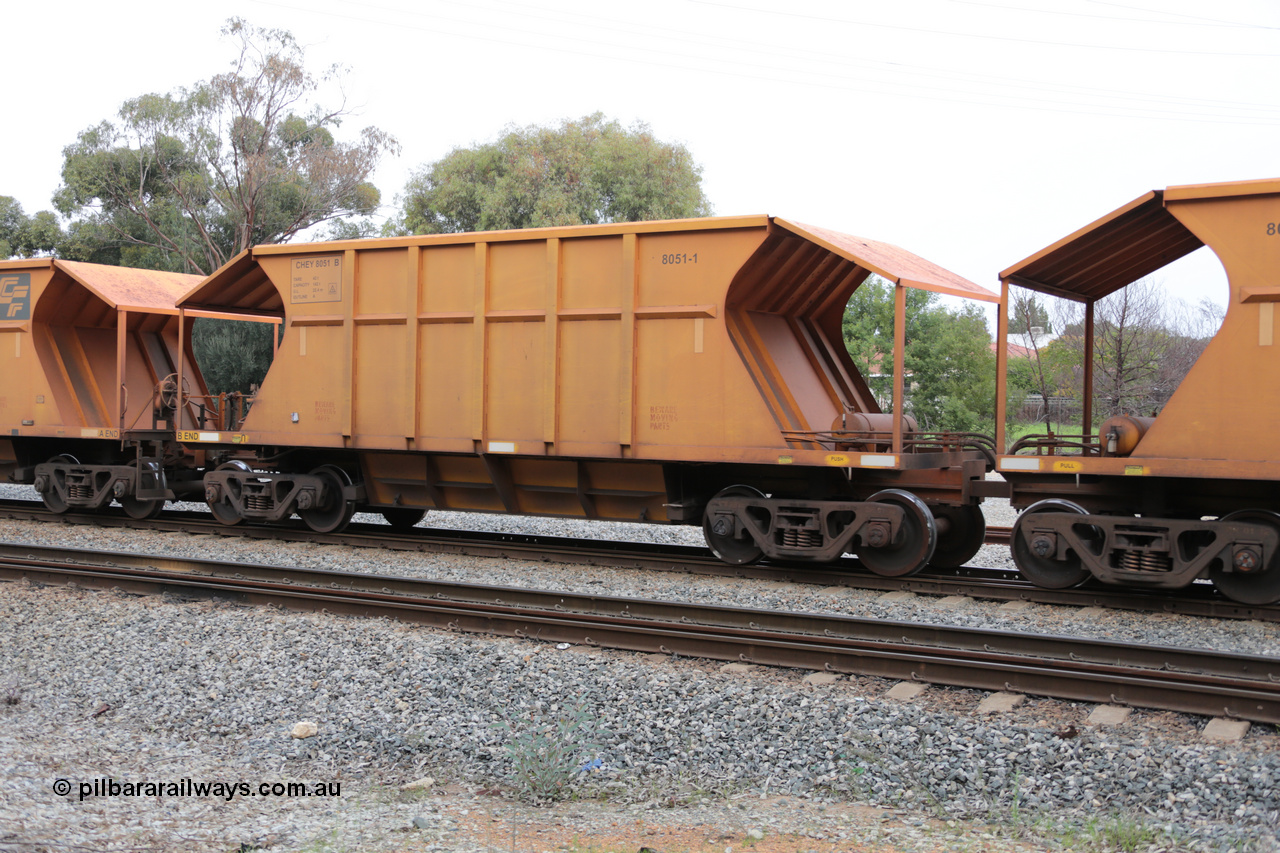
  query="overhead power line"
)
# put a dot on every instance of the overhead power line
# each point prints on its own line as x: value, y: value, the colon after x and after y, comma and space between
x: 987, y: 36
x: 1192, y: 20
x: 840, y: 72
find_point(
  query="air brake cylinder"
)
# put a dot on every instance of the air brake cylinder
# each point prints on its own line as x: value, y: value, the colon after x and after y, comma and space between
x: 868, y: 430
x: 870, y: 422
x: 1122, y: 433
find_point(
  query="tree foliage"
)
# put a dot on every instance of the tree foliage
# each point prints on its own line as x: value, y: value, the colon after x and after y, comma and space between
x: 949, y: 362
x: 581, y: 172
x: 184, y: 181
x: 1027, y: 313
x: 1044, y: 366
x: 233, y: 355
x: 1144, y: 346
x: 23, y: 236
x: 1131, y: 343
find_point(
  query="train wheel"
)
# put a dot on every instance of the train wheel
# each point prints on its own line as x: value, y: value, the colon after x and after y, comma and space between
x: 333, y: 513
x: 225, y: 512
x: 719, y: 533
x: 965, y: 532
x: 916, y: 541
x: 221, y: 507
x: 403, y: 518
x: 1046, y: 572
x: 52, y: 500
x: 141, y: 509
x: 1256, y: 587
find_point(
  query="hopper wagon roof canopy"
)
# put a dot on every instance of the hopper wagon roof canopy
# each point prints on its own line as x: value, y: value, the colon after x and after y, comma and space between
x: 90, y: 294
x: 122, y: 287
x: 890, y: 262
x: 241, y: 285
x: 151, y: 291
x: 1118, y: 249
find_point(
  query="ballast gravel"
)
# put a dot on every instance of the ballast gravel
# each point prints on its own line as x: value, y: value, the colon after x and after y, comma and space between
x: 113, y: 687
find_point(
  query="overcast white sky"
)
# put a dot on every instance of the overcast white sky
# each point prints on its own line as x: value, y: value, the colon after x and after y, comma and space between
x: 972, y: 132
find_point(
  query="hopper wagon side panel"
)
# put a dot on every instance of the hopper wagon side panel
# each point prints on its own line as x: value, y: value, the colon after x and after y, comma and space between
x: 305, y: 397
x: 23, y: 391
x: 24, y: 394
x: 590, y: 347
x: 695, y: 400
x: 1217, y: 410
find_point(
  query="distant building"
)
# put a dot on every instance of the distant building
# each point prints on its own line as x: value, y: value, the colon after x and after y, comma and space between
x: 1026, y: 345
x: 1014, y: 350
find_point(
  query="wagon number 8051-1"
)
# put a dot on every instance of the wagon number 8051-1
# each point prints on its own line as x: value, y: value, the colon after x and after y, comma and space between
x: 680, y: 258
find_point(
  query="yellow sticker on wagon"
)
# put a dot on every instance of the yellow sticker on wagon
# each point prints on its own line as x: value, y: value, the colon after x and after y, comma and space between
x: 1070, y: 466
x: 1135, y: 471
x: 838, y: 459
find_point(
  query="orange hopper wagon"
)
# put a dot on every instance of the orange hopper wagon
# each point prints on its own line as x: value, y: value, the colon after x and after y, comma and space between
x: 89, y: 359
x: 1159, y: 501
x: 686, y: 372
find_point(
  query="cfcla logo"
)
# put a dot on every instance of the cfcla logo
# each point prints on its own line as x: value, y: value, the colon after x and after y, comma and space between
x: 15, y: 296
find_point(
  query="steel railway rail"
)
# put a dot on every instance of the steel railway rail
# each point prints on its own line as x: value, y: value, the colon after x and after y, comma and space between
x: 1189, y: 681
x: 996, y: 584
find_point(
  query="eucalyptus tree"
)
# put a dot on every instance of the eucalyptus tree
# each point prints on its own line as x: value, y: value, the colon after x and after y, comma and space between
x: 580, y: 172
x: 185, y: 180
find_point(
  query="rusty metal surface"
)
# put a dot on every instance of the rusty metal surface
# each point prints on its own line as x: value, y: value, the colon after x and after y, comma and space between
x: 238, y: 284
x: 1114, y: 251
x: 1146, y: 551
x: 1242, y: 686
x: 123, y: 287
x: 896, y: 264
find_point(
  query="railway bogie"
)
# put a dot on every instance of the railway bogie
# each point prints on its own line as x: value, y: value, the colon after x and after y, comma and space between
x: 239, y: 493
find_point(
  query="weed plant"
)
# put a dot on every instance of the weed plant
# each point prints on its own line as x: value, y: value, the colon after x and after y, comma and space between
x: 548, y: 753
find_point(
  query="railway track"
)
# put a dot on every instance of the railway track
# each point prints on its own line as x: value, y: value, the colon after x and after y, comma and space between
x: 987, y: 583
x: 1189, y: 681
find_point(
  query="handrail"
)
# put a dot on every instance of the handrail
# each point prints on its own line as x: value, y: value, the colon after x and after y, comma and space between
x: 1087, y: 445
x: 881, y: 441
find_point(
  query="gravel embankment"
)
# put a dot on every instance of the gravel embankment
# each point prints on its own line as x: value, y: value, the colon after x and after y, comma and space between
x: 210, y: 692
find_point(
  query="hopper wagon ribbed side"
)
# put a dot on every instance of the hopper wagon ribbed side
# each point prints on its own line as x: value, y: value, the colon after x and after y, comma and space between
x: 686, y: 372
